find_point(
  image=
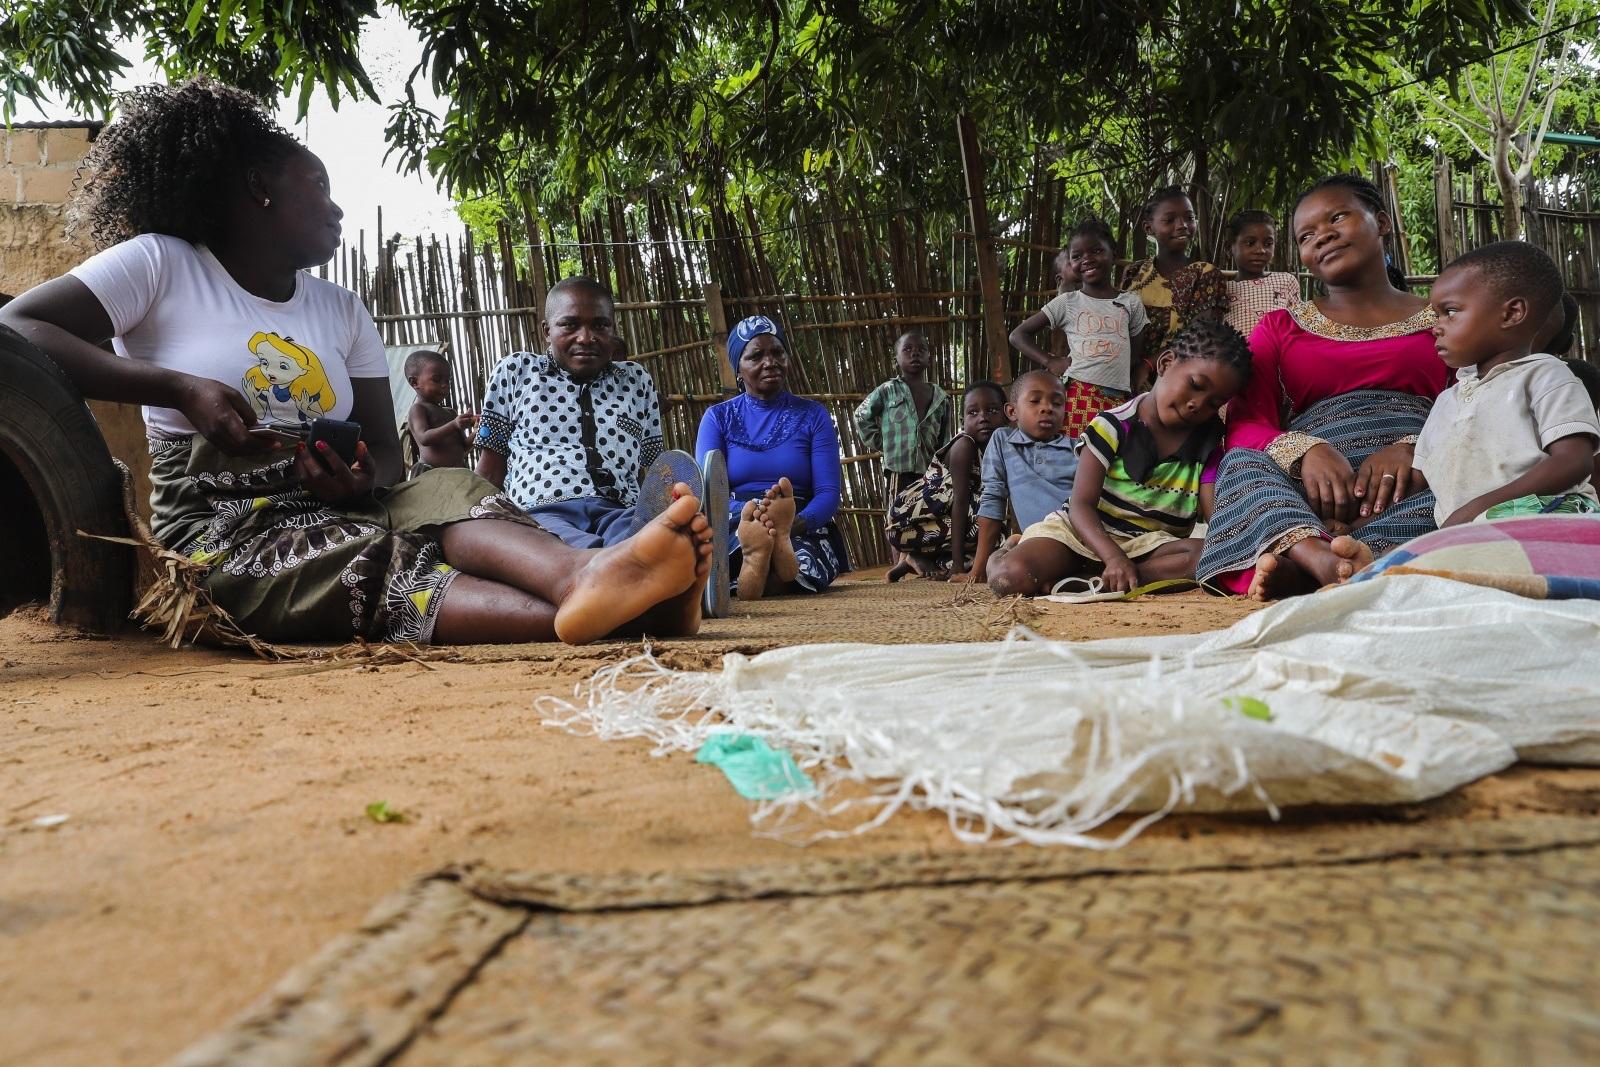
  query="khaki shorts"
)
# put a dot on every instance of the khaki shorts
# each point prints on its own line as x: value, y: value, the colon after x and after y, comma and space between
x: 1056, y: 527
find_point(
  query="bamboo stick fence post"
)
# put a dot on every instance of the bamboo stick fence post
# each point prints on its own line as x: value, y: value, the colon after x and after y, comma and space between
x: 996, y: 343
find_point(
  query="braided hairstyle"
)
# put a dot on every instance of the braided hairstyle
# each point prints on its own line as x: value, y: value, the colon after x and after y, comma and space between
x: 1159, y: 197
x: 1213, y: 340
x: 171, y: 161
x: 1095, y: 228
x: 1371, y: 199
x: 1248, y: 217
x: 993, y: 387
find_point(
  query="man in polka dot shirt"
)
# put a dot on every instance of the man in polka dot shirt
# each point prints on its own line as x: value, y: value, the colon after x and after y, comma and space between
x: 568, y: 432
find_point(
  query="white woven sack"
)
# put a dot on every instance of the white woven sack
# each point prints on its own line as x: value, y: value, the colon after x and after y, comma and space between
x: 1379, y: 693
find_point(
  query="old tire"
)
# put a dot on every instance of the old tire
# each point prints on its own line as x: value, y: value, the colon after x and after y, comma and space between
x: 57, y: 478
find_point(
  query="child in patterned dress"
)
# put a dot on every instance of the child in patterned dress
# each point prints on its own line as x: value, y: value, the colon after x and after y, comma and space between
x: 1252, y: 237
x: 934, y: 521
x: 1104, y: 328
x: 1174, y: 288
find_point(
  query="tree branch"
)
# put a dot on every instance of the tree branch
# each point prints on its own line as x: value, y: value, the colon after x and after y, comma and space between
x: 1533, y: 65
x: 1458, y: 116
x: 1472, y: 92
x: 1494, y: 84
x: 1487, y: 154
x: 1536, y: 142
x: 776, y: 18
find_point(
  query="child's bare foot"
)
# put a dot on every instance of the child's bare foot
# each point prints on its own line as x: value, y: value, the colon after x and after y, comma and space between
x: 777, y: 509
x: 657, y: 573
x: 899, y: 570
x: 755, y: 552
x: 1354, y: 557
x: 1278, y: 577
x: 999, y: 554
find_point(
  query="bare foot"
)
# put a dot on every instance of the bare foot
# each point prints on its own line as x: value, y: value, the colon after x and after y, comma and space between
x: 1354, y: 557
x: 778, y: 513
x: 898, y: 571
x: 755, y: 552
x: 648, y: 576
x: 999, y: 554
x: 1278, y: 577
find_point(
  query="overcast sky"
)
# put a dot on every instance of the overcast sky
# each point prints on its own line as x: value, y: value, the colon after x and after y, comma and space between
x: 350, y: 140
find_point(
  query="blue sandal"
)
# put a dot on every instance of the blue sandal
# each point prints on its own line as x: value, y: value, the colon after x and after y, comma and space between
x: 714, y: 502
x: 655, y: 486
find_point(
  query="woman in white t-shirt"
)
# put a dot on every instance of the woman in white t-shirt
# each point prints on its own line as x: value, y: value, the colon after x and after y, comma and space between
x: 208, y: 214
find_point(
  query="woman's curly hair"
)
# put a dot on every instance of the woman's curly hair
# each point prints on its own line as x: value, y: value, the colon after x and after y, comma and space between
x: 171, y: 160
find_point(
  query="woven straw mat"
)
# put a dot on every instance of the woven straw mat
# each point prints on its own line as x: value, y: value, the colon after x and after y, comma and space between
x: 1463, y: 960
x: 1460, y: 931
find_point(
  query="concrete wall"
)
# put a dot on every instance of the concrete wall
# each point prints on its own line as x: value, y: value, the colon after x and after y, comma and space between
x: 37, y: 170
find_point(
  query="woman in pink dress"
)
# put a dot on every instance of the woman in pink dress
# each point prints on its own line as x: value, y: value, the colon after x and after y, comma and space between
x: 1320, y: 442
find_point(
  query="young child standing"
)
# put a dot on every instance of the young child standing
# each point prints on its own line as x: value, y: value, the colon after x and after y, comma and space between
x: 442, y: 435
x: 1516, y: 434
x: 1254, y: 291
x: 1145, y: 472
x: 934, y: 521
x: 1027, y: 468
x: 1104, y: 328
x: 906, y: 418
x: 1174, y: 288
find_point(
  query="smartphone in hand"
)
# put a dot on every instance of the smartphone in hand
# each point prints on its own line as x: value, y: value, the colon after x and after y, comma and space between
x: 282, y: 433
x: 340, y: 435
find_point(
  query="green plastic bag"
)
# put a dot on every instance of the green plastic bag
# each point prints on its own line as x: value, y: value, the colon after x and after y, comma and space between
x: 754, y: 769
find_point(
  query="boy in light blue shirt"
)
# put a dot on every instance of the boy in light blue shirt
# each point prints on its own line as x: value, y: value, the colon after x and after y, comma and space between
x: 1029, y: 466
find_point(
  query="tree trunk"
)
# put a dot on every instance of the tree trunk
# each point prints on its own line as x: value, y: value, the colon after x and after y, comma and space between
x: 1510, y: 191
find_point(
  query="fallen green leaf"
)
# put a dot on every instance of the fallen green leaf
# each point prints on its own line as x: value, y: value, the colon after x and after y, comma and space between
x: 1249, y: 706
x: 380, y: 811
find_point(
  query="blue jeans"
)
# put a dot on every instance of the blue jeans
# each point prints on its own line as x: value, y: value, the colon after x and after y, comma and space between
x: 586, y: 521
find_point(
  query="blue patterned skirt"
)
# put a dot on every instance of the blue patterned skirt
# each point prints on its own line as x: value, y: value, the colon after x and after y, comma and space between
x: 821, y: 552
x: 1257, y: 503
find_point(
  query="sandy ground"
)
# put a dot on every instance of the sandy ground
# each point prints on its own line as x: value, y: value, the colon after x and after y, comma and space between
x: 216, y: 835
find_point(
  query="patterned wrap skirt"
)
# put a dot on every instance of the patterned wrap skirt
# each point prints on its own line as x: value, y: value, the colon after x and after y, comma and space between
x: 1257, y: 503
x: 918, y: 518
x: 821, y: 552
x: 1085, y: 400
x: 288, y: 567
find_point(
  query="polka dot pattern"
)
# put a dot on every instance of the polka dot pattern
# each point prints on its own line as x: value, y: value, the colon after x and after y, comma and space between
x: 563, y: 440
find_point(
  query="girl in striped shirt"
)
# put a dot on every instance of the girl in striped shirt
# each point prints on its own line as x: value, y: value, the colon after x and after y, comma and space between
x: 1145, y: 474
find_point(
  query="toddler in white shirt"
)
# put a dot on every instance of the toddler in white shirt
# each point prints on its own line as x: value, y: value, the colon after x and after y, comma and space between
x: 1516, y: 434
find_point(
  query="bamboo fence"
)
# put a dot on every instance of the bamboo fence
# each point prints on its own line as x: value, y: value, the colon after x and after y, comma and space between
x: 842, y: 285
x: 1559, y: 216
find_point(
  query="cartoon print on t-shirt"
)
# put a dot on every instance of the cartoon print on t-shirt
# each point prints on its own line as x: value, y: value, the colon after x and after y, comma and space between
x: 287, y: 384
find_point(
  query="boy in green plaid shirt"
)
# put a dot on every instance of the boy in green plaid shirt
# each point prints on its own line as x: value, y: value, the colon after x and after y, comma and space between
x: 906, y: 418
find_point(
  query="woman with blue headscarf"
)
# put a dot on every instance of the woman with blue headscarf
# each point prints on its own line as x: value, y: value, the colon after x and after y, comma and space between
x: 783, y: 471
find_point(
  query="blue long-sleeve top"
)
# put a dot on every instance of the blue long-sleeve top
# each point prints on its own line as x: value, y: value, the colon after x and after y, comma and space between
x: 765, y: 440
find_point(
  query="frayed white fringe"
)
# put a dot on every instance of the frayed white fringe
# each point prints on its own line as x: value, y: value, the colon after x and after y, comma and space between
x: 1013, y: 746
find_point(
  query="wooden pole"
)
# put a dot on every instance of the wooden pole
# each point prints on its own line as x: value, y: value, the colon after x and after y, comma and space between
x: 996, y: 343
x: 719, y: 335
x: 1444, y: 211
